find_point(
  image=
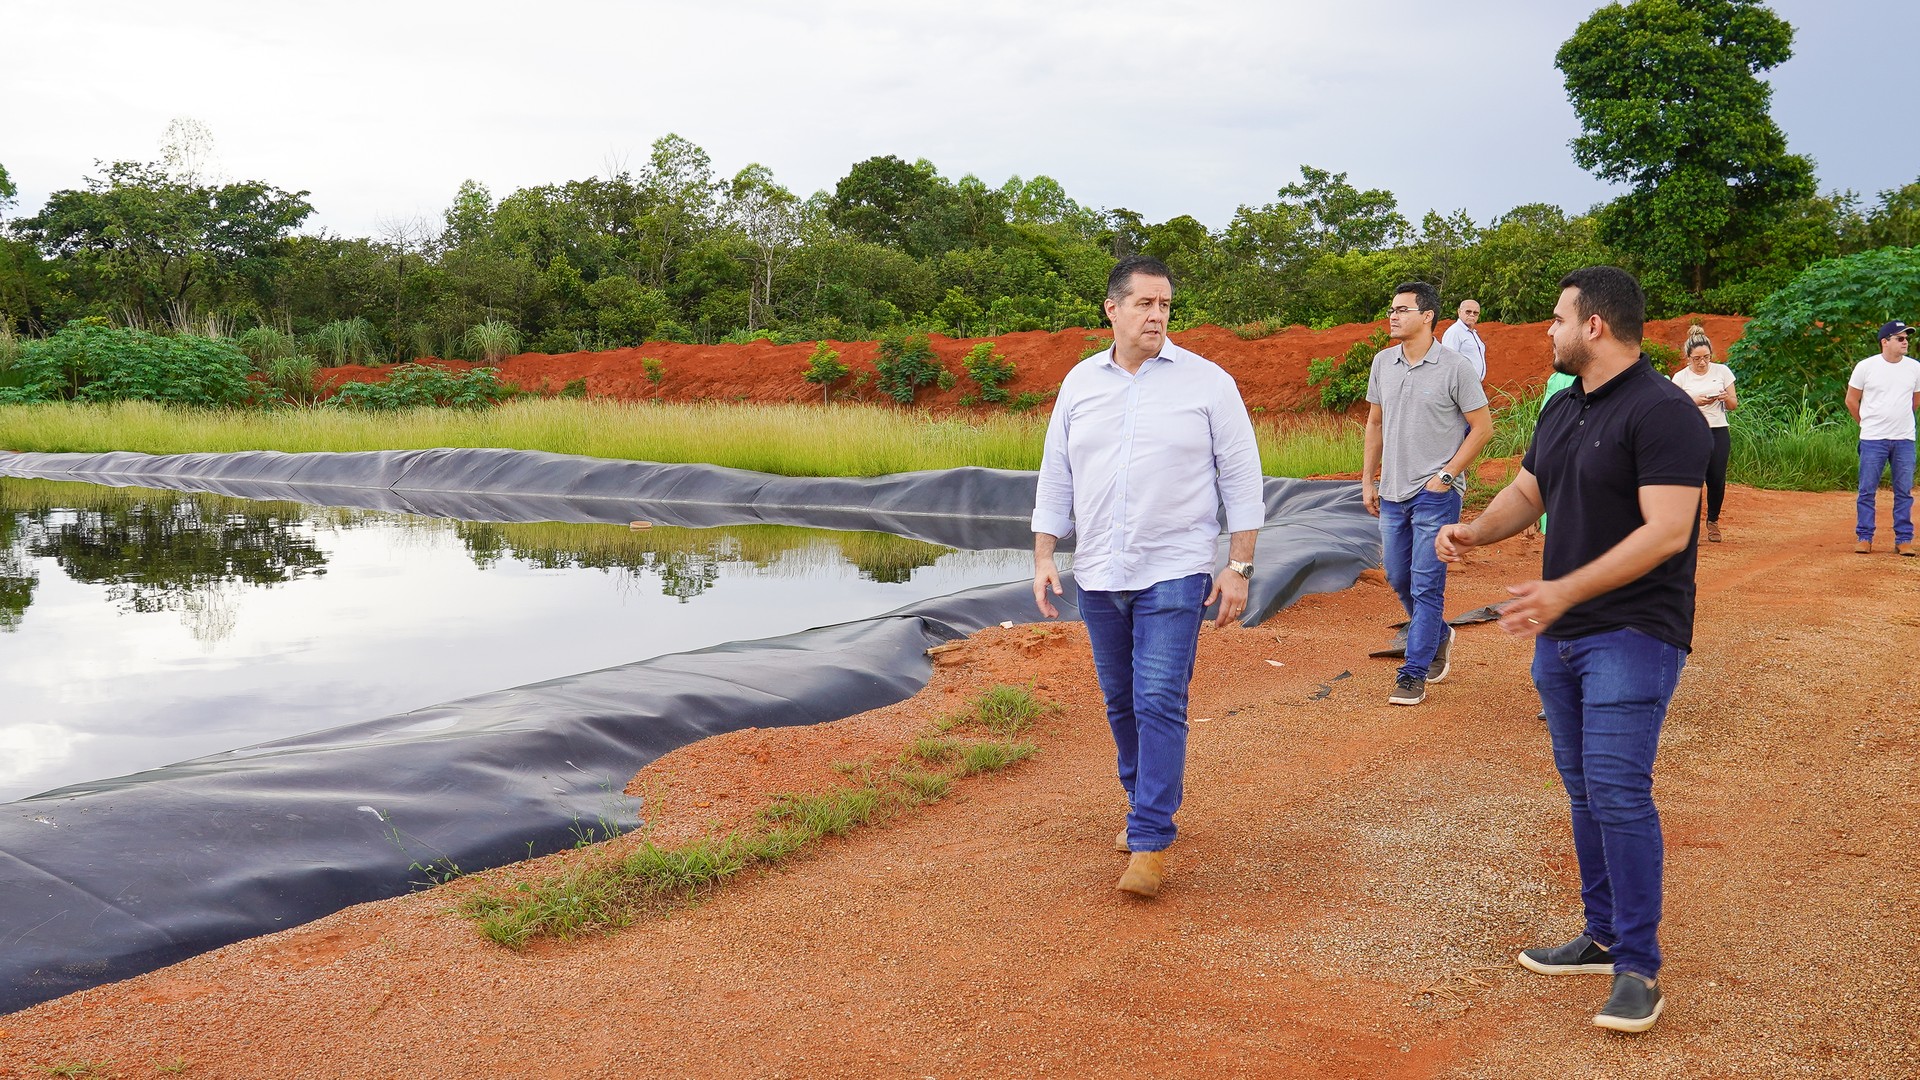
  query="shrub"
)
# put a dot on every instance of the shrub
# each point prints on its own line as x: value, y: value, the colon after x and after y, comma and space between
x: 264, y: 344
x: 990, y: 369
x: 654, y: 368
x: 904, y: 365
x: 1803, y: 341
x: 346, y: 341
x: 294, y: 377
x: 824, y: 369
x: 423, y: 385
x: 1026, y: 400
x: 1343, y: 379
x: 1665, y: 358
x: 103, y: 363
x: 491, y: 341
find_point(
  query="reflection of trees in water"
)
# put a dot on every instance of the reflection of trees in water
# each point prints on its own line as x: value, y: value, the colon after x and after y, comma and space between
x: 154, y: 551
x: 17, y: 579
x: 687, y: 562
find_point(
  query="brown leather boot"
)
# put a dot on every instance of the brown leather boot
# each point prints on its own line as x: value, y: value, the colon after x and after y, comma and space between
x: 1144, y: 873
x: 1120, y: 842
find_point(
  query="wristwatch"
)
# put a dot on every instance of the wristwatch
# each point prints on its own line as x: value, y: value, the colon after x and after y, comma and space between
x: 1244, y: 569
x: 1447, y: 479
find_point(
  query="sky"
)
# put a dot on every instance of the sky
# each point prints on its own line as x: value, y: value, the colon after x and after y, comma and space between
x: 381, y: 109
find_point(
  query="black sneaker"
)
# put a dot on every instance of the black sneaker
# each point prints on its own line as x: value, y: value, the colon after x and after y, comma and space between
x: 1633, y: 1006
x: 1442, y: 659
x: 1408, y: 690
x: 1577, y: 957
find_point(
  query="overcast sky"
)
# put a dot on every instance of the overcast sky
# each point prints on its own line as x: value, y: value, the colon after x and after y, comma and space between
x: 381, y: 109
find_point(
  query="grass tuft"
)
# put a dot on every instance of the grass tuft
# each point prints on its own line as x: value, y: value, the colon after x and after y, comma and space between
x: 987, y: 757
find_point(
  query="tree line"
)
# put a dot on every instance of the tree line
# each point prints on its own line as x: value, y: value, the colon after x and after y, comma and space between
x: 1716, y: 215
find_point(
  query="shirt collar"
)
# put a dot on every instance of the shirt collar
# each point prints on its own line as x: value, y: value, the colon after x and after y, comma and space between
x: 1169, y: 352
x: 1642, y: 366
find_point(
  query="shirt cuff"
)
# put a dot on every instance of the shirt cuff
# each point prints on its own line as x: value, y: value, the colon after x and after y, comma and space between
x: 1052, y: 522
x: 1243, y: 517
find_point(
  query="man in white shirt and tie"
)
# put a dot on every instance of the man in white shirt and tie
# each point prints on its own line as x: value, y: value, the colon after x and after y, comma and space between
x: 1147, y: 444
x: 1462, y: 338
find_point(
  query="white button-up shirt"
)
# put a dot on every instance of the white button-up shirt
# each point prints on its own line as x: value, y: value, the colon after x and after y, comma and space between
x: 1465, y: 340
x: 1140, y: 466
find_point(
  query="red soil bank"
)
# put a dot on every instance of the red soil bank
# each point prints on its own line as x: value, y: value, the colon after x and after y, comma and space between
x: 1272, y: 371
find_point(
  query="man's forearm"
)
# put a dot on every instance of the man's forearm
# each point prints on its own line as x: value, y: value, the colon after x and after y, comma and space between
x: 1240, y: 545
x: 1043, y: 545
x: 1637, y: 553
x: 1510, y: 511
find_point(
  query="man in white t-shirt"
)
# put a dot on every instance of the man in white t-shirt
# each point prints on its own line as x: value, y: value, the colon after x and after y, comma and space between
x: 1882, y: 396
x: 1462, y: 338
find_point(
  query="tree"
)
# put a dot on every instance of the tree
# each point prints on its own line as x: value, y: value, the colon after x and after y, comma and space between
x: 1803, y: 341
x: 8, y: 192
x: 1671, y: 104
x: 158, y: 246
x: 768, y: 215
x: 884, y: 200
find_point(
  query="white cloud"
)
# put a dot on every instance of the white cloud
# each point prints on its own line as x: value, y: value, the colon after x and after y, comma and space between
x: 381, y: 109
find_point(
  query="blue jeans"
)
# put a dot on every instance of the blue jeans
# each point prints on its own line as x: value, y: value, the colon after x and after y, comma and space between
x: 1875, y: 456
x: 1606, y: 698
x: 1416, y: 573
x: 1143, y: 647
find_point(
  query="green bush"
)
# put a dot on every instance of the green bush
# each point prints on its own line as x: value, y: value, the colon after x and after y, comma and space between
x: 990, y: 369
x: 904, y: 365
x: 295, y: 377
x: 264, y: 344
x: 423, y: 385
x: 347, y: 341
x: 824, y: 368
x: 1803, y: 341
x: 491, y: 341
x: 104, y: 363
x: 654, y: 368
x: 1343, y: 379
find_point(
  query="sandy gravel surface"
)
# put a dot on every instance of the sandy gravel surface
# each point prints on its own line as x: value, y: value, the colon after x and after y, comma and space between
x: 1350, y: 886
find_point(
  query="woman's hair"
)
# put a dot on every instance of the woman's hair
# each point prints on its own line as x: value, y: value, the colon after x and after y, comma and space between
x: 1696, y: 337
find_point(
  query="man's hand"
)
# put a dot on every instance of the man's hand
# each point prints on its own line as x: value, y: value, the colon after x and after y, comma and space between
x: 1370, y: 497
x: 1536, y: 605
x: 1046, y: 578
x: 1452, y: 541
x: 1434, y: 485
x: 1231, y: 590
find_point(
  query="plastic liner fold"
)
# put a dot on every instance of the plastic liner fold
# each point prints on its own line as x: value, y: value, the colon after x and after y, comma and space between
x: 109, y: 879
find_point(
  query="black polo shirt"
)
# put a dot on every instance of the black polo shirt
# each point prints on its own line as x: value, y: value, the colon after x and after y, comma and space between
x: 1592, y: 453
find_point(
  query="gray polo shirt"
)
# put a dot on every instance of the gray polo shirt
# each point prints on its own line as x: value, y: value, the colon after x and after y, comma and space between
x: 1423, y: 414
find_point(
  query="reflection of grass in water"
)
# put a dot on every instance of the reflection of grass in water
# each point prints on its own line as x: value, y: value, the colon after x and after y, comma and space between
x: 778, y: 550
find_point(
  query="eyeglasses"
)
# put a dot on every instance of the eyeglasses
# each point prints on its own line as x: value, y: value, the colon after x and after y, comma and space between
x: 1402, y: 310
x: 1895, y: 337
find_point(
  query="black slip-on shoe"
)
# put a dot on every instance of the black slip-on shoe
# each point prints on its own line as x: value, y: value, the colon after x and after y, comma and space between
x: 1633, y: 1006
x: 1577, y: 957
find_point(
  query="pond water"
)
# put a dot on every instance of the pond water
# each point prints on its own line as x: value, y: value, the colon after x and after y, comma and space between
x: 140, y: 628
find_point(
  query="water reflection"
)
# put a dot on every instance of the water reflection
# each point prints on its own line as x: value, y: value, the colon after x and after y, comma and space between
x: 142, y: 628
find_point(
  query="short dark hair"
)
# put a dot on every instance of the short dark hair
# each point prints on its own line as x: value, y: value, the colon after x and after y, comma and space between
x: 1425, y: 297
x: 1120, y: 281
x: 1614, y: 295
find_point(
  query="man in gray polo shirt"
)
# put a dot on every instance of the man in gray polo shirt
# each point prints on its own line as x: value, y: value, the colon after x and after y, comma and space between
x: 1426, y: 420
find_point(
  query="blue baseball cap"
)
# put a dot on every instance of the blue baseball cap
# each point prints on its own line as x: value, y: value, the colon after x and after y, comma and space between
x: 1892, y: 328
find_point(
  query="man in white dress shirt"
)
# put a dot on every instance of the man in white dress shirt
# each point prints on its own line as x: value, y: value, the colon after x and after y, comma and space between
x: 1147, y: 444
x: 1462, y: 338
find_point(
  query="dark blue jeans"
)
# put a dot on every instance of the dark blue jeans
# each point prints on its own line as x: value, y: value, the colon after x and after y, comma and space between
x: 1143, y: 647
x: 1606, y: 698
x: 1875, y: 456
x: 1416, y: 573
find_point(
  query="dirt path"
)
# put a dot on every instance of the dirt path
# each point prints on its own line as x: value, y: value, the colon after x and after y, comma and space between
x: 1349, y: 888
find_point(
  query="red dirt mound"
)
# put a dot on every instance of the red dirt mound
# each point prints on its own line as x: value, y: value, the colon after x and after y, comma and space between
x: 1272, y: 371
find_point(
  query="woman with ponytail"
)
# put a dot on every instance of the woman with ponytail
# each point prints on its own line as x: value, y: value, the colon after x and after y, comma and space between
x: 1711, y: 386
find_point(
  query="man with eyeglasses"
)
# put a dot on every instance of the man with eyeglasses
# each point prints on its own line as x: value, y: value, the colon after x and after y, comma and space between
x: 1462, y: 338
x: 1426, y: 420
x: 1882, y: 395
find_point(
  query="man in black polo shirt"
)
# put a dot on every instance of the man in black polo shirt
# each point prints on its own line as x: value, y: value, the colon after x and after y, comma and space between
x: 1617, y: 463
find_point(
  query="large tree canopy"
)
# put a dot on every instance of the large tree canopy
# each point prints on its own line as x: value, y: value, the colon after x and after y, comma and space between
x: 1671, y: 104
x: 159, y: 243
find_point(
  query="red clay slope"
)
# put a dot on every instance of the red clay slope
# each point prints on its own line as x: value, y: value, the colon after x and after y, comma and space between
x: 1271, y: 371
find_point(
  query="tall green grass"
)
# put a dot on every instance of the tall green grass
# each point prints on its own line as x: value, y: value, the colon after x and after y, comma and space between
x: 792, y: 440
x: 1774, y: 446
